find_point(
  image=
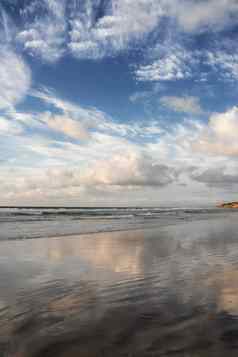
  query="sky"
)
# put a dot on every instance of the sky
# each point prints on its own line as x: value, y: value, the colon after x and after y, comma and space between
x: 118, y: 102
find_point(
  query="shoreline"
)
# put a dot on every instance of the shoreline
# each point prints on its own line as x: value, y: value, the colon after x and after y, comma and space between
x: 123, y: 226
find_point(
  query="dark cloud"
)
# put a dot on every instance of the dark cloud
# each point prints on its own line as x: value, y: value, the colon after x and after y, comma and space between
x: 216, y: 177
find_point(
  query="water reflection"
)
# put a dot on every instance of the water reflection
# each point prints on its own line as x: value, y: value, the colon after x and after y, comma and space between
x: 168, y: 292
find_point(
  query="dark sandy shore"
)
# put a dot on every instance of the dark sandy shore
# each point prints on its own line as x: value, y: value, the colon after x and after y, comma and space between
x: 156, y: 292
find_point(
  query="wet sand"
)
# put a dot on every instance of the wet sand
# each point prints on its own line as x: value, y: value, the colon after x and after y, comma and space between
x: 171, y: 291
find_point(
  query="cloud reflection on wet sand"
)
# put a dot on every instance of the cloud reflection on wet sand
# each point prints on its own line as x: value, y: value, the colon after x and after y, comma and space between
x: 146, y: 293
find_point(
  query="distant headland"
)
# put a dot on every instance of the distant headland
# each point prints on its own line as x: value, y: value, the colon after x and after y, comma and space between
x: 228, y: 205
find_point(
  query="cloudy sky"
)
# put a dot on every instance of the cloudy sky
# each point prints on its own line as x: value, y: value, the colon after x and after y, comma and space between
x: 116, y: 102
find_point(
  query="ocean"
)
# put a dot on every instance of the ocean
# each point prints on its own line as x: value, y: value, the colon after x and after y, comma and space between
x: 31, y: 222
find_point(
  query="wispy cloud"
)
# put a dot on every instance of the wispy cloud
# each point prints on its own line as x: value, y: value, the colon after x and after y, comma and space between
x: 7, y: 127
x: 96, y: 29
x: 71, y: 148
x: 79, y: 122
x: 123, y: 22
x: 189, y: 153
x: 89, y: 29
x: 15, y: 78
x: 44, y: 35
x: 186, y: 104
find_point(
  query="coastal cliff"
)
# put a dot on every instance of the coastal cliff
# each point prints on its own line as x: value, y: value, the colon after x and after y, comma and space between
x: 228, y: 205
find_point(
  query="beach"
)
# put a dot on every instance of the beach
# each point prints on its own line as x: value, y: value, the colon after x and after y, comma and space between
x: 118, y: 178
x: 161, y: 291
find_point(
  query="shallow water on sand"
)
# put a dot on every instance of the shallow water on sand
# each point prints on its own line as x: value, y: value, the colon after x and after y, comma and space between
x: 161, y: 292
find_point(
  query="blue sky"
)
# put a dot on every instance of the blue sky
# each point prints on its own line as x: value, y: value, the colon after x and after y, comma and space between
x: 108, y: 102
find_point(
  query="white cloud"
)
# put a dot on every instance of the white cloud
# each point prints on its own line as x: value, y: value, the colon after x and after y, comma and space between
x: 131, y: 169
x: 201, y: 15
x: 66, y: 125
x: 7, y: 27
x: 96, y: 29
x: 140, y: 96
x: 44, y: 35
x: 175, y: 64
x: 219, y: 137
x: 15, y: 78
x: 186, y: 104
x: 224, y: 63
x: 91, y: 116
x: 52, y: 27
x: 8, y: 127
x: 111, y: 158
x: 89, y: 150
x: 78, y: 122
x: 170, y: 62
x: 123, y: 22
